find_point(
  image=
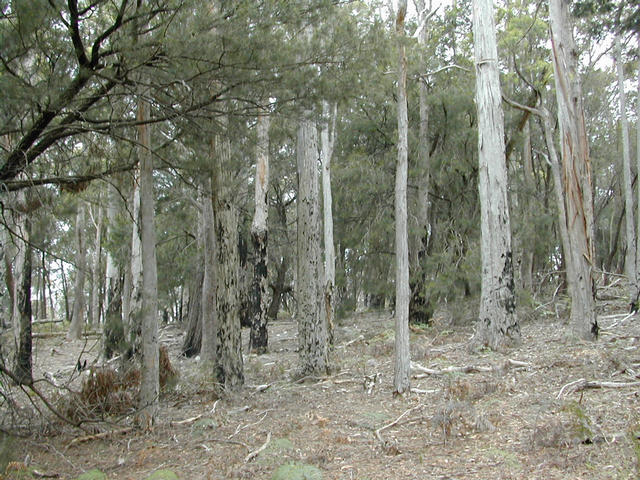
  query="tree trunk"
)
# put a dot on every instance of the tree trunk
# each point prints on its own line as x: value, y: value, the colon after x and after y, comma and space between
x: 114, y: 339
x: 191, y: 346
x: 327, y: 141
x: 577, y: 171
x: 79, y: 302
x: 638, y: 170
x: 150, y: 362
x: 312, y: 331
x: 229, y: 364
x: 497, y: 326
x: 402, y: 358
x: 528, y: 253
x: 630, y: 257
x: 259, y: 336
x: 132, y: 306
x: 94, y: 318
x: 207, y: 296
x: 22, y: 365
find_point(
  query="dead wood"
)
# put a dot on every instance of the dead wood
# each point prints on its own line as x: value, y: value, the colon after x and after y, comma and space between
x: 426, y: 372
x: 583, y: 384
x: 98, y: 436
x: 256, y: 452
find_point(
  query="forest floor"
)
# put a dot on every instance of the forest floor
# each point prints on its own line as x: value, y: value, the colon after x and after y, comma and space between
x: 529, y: 413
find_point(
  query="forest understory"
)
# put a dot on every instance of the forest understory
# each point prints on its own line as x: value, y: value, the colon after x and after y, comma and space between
x: 554, y: 408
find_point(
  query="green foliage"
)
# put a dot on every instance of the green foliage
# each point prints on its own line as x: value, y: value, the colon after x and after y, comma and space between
x: 580, y: 422
x: 297, y: 471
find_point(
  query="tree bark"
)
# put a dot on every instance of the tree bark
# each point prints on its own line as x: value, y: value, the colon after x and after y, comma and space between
x: 150, y: 361
x: 327, y: 141
x: 259, y: 335
x: 207, y: 296
x: 79, y: 302
x: 229, y: 364
x: 402, y: 357
x: 312, y: 331
x: 96, y: 286
x: 528, y: 251
x: 577, y: 171
x: 497, y: 326
x: 23, y: 364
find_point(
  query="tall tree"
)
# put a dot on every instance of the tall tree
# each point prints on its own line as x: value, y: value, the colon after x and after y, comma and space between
x: 630, y: 258
x: 312, y: 330
x: 402, y: 359
x: 327, y: 141
x: 207, y: 243
x: 79, y: 302
x: 259, y: 336
x: 497, y: 325
x: 577, y: 171
x: 96, y: 284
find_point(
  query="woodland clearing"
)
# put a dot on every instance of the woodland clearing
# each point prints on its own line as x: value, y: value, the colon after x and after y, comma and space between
x: 554, y: 408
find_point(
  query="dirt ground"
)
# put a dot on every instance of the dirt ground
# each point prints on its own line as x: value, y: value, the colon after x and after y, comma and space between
x: 526, y: 414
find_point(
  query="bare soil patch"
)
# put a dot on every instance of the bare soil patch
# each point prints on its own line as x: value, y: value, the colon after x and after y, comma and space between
x: 506, y: 417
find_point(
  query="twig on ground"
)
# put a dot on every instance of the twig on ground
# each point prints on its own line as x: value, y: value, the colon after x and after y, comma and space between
x: 395, y: 422
x: 255, y: 453
x: 241, y: 427
x: 583, y: 384
x: 232, y: 442
x: 38, y: 474
x: 185, y: 421
x: 97, y: 436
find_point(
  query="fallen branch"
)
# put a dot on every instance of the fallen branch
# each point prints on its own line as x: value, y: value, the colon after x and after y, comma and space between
x: 185, y: 421
x: 583, y: 384
x: 97, y: 436
x: 255, y: 453
x: 426, y: 372
x: 395, y: 422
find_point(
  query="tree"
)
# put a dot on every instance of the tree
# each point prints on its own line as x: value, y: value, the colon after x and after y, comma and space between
x: 578, y: 194
x: 79, y: 301
x: 327, y: 141
x: 259, y: 337
x: 402, y: 360
x: 630, y: 258
x: 312, y: 330
x: 497, y: 325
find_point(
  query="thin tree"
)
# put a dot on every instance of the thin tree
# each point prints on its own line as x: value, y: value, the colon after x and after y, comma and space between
x: 630, y: 258
x: 207, y: 242
x: 402, y: 359
x: 327, y: 141
x: 23, y: 360
x: 79, y: 302
x: 577, y: 172
x: 94, y: 305
x: 497, y: 325
x: 259, y: 336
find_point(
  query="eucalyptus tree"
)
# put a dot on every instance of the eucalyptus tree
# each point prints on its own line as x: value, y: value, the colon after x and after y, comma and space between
x: 79, y: 301
x: 576, y: 172
x: 259, y: 235
x: 631, y: 250
x: 497, y: 324
x: 402, y: 360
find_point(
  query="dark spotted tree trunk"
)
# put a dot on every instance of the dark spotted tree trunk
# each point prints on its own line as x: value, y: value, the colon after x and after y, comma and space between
x: 22, y: 364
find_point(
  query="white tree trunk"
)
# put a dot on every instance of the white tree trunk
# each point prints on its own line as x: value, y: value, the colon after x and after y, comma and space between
x: 630, y: 258
x: 94, y: 318
x: 402, y: 357
x: 526, y: 270
x: 312, y: 331
x: 638, y: 170
x: 259, y: 337
x: 327, y: 141
x: 577, y: 171
x: 133, y: 306
x: 150, y: 368
x: 79, y: 302
x: 497, y: 325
